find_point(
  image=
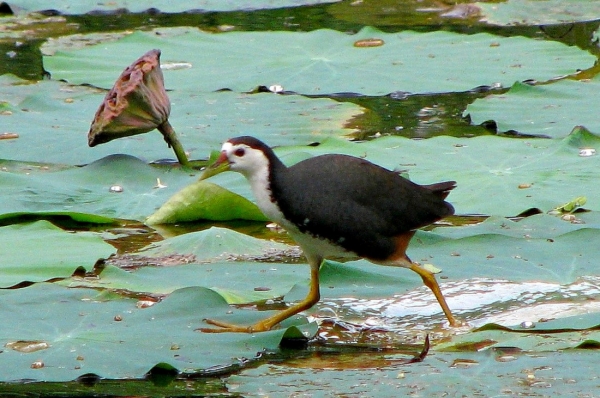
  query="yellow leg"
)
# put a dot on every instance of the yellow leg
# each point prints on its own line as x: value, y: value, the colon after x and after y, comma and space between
x: 266, y: 324
x: 430, y: 281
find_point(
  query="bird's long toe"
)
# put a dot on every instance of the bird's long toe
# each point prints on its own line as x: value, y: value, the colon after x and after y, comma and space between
x: 457, y: 323
x: 224, y: 327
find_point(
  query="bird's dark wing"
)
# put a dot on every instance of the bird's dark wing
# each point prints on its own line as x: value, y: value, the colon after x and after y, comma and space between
x: 356, y: 204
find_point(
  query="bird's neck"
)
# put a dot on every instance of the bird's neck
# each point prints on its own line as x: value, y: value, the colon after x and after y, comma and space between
x: 261, y: 183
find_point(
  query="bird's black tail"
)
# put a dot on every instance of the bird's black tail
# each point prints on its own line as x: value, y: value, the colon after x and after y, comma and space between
x: 441, y: 189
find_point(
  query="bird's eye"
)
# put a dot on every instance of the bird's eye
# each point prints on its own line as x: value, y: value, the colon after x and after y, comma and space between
x: 240, y: 152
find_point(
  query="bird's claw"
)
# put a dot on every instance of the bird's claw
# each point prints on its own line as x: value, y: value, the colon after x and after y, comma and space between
x: 224, y: 327
x: 456, y: 322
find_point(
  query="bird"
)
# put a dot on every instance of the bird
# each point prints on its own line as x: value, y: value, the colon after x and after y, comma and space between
x: 335, y: 206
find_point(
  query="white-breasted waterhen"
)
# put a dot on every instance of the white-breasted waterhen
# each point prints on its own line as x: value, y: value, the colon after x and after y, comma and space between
x: 335, y: 206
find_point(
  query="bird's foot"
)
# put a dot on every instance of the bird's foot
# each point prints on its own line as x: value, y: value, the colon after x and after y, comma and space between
x: 457, y: 323
x: 224, y: 327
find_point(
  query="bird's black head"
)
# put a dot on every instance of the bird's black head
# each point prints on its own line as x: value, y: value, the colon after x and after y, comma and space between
x: 251, y: 142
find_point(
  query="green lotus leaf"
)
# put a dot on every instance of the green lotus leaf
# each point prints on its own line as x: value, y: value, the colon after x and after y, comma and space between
x: 85, y: 332
x: 40, y: 251
x: 203, y: 200
x: 548, y: 335
x: 548, y: 110
x: 324, y: 61
x: 221, y: 259
x: 238, y: 283
x: 495, y: 175
x: 87, y: 6
x: 566, y: 324
x: 117, y: 186
x: 384, y: 374
x: 535, y: 13
x: 10, y: 218
x: 215, y: 244
x: 562, y: 259
x: 539, y: 226
x: 57, y: 116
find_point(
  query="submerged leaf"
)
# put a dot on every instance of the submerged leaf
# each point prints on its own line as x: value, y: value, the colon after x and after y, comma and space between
x: 566, y: 324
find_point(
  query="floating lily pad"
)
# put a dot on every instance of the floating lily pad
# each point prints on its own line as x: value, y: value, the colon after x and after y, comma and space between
x: 57, y: 117
x: 532, y: 12
x: 547, y: 335
x: 562, y: 259
x: 40, y: 251
x: 495, y: 175
x: 221, y: 260
x: 215, y: 244
x: 231, y: 264
x: 539, y: 226
x: 237, y: 282
x: 483, y: 373
x: 325, y: 61
x: 216, y: 258
x: 549, y: 110
x: 87, y: 6
x: 567, y: 324
x: 515, y: 176
x: 85, y: 332
x: 117, y: 186
x: 9, y: 218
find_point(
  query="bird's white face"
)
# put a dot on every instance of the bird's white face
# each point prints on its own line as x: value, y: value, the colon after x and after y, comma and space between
x: 251, y: 162
x: 254, y: 165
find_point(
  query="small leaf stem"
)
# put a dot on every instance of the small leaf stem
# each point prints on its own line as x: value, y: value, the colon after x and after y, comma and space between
x: 171, y: 138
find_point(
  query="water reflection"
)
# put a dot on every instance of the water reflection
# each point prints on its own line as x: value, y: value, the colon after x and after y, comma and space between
x: 476, y: 301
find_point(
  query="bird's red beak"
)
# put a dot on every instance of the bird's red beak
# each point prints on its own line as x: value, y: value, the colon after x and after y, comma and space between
x: 220, y: 165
